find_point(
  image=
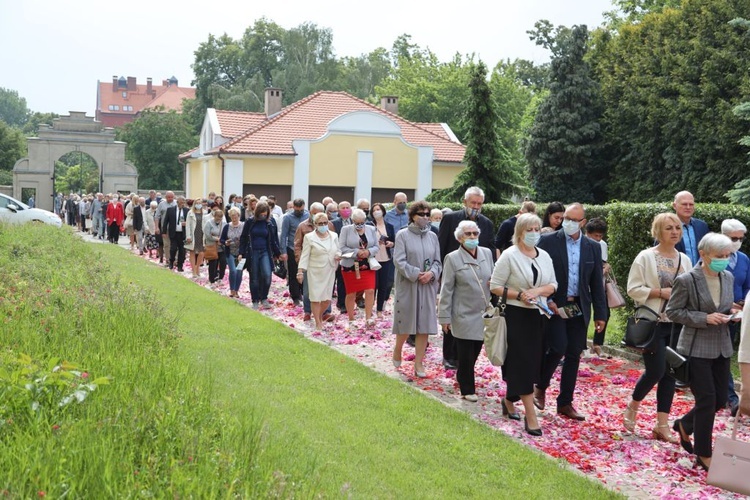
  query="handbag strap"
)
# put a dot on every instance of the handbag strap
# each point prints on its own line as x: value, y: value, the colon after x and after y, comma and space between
x: 695, y: 335
x: 479, y: 282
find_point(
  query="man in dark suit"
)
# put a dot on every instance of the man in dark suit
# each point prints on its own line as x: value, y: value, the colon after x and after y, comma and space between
x: 473, y: 201
x: 174, y: 226
x: 578, y: 268
x: 344, y: 219
x: 693, y: 230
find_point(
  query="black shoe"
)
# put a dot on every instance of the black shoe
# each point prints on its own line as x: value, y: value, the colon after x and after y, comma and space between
x: 685, y: 443
x: 700, y: 463
x: 449, y: 364
x: 511, y: 415
x: 179, y: 269
x: 681, y: 385
x: 533, y: 432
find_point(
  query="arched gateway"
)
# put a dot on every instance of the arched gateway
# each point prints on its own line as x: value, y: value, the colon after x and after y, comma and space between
x: 73, y: 133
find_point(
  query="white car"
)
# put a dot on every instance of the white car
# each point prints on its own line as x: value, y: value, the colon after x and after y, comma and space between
x: 13, y: 211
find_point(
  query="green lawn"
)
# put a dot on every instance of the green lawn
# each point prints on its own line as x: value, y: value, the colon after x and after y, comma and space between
x: 326, y: 425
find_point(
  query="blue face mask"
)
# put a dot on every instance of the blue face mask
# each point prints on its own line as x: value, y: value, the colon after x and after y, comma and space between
x: 471, y: 244
x: 322, y: 229
x: 359, y: 227
x: 718, y: 265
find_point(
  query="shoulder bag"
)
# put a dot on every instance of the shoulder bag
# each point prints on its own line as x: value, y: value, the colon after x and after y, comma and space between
x: 495, y: 328
x: 730, y: 464
x: 614, y: 296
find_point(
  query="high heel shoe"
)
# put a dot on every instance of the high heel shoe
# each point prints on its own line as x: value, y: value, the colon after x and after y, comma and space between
x: 396, y: 363
x: 533, y: 432
x: 628, y: 419
x: 419, y: 373
x: 700, y: 463
x: 684, y: 441
x: 507, y: 413
x: 664, y: 435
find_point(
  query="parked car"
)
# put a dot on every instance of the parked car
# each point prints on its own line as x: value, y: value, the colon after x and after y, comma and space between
x: 13, y: 211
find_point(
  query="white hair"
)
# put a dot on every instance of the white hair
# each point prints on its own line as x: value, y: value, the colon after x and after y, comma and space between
x: 462, y: 226
x: 317, y: 207
x: 473, y: 191
x: 359, y: 214
x: 715, y: 242
x: 732, y: 225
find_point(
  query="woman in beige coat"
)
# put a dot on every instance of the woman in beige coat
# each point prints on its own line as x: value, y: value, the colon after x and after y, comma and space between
x: 194, y: 236
x: 320, y: 258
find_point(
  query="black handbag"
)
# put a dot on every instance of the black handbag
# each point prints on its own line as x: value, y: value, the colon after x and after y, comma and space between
x: 640, y: 333
x: 279, y: 269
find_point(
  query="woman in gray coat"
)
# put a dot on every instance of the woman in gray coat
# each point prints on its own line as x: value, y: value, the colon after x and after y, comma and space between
x: 416, y: 255
x: 702, y: 302
x: 464, y: 296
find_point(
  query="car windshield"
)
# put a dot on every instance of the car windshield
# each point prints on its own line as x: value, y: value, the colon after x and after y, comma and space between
x: 7, y: 200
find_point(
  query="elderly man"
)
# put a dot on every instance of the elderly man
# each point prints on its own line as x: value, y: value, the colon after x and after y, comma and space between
x: 693, y: 230
x: 175, y: 219
x: 364, y: 205
x: 159, y: 217
x: 332, y: 210
x: 397, y: 216
x: 577, y: 261
x: 504, y: 237
x: 473, y: 201
x: 289, y: 224
x: 308, y: 227
x: 97, y: 216
x: 739, y: 266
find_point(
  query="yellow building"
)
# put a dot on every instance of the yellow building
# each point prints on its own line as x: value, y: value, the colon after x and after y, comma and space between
x: 328, y: 144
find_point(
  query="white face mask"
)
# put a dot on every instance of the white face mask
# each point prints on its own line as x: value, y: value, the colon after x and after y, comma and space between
x: 736, y: 245
x: 531, y: 238
x: 570, y: 227
x: 377, y: 214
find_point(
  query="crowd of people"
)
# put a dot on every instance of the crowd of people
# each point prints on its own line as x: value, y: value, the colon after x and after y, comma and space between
x: 438, y: 271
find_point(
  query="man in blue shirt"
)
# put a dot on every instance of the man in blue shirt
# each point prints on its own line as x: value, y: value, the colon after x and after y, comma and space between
x: 289, y: 224
x: 692, y: 229
x: 397, y: 216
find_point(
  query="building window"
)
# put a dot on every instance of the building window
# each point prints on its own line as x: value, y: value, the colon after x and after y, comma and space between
x: 114, y: 107
x: 127, y: 108
x: 125, y: 95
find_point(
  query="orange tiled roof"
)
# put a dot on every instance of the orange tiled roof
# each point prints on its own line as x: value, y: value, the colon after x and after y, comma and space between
x: 233, y: 123
x: 308, y: 119
x: 171, y: 98
x: 139, y: 99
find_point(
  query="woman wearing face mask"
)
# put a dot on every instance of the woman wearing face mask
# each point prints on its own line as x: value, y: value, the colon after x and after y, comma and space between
x: 384, y: 275
x: 212, y: 230
x: 320, y: 256
x: 194, y: 236
x: 360, y: 241
x: 702, y: 301
x: 260, y: 244
x: 524, y: 274
x: 466, y: 277
x: 650, y: 282
x: 115, y: 218
x: 416, y: 256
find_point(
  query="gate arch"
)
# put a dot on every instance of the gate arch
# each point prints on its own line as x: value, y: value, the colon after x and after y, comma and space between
x: 78, y: 132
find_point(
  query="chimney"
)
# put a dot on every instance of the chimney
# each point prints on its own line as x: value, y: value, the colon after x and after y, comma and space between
x: 114, y: 83
x: 149, y: 86
x: 132, y: 87
x: 389, y: 103
x: 273, y: 101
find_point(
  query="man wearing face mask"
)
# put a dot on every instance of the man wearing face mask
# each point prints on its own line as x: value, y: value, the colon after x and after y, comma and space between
x: 332, y: 211
x: 577, y: 260
x: 364, y: 205
x: 473, y: 201
x: 397, y: 216
x: 344, y: 219
x: 289, y: 224
x: 739, y: 266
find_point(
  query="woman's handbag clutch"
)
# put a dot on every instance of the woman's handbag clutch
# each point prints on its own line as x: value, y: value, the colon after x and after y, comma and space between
x: 730, y: 463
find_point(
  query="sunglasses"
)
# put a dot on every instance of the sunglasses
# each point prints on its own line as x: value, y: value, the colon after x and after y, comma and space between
x: 423, y: 214
x: 471, y: 233
x: 735, y: 239
x: 321, y: 223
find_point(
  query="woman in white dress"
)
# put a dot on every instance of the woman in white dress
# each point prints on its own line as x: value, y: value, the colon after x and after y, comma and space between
x: 320, y: 258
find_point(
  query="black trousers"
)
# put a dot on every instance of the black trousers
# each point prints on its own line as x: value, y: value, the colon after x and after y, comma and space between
x: 656, y: 372
x: 563, y: 338
x: 177, y: 249
x: 295, y: 288
x: 340, y: 291
x: 216, y: 268
x: 113, y: 234
x: 708, y: 383
x: 468, y: 352
x: 383, y: 283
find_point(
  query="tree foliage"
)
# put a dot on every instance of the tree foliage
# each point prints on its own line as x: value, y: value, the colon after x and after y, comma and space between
x: 565, y: 138
x: 12, y: 146
x: 13, y: 109
x: 76, y: 172
x: 154, y: 142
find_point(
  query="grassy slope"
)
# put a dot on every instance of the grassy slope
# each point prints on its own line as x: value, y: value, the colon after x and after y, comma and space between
x: 367, y: 434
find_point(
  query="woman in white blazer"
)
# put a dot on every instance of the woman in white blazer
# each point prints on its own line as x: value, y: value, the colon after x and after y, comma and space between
x: 320, y: 258
x: 360, y: 241
x: 194, y: 236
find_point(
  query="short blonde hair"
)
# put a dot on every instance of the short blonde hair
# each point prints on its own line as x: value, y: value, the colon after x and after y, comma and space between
x: 523, y: 222
x: 319, y: 216
x: 234, y: 210
x: 662, y: 220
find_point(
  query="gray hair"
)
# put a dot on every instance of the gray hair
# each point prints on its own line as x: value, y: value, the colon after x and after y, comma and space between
x: 462, y: 226
x: 234, y: 210
x: 473, y: 191
x: 359, y: 215
x: 317, y: 207
x: 715, y: 242
x: 732, y: 225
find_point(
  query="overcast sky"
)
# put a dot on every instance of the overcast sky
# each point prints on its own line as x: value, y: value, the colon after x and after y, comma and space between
x: 53, y: 52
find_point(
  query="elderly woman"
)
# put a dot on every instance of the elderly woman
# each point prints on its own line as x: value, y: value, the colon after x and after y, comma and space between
x: 702, y: 301
x: 128, y: 224
x: 149, y: 230
x: 553, y: 217
x: 320, y: 257
x: 466, y: 277
x: 416, y: 256
x: 386, y: 238
x: 743, y: 357
x: 739, y: 266
x: 522, y: 275
x: 194, y: 236
x: 212, y: 230
x: 260, y: 243
x: 358, y: 242
x: 230, y: 240
x: 650, y: 281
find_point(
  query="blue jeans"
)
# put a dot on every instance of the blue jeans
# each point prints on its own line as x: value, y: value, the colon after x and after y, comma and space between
x: 235, y: 275
x: 260, y: 274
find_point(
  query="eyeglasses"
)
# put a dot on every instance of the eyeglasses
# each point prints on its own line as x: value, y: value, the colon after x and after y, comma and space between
x: 577, y: 221
x: 471, y: 233
x: 423, y: 214
x: 735, y: 239
x: 321, y: 223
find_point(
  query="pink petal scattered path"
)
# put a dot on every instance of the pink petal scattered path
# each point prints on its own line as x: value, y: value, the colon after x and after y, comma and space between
x: 636, y: 465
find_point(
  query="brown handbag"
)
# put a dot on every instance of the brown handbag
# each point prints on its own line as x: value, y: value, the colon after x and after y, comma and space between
x: 211, y: 251
x: 730, y: 463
